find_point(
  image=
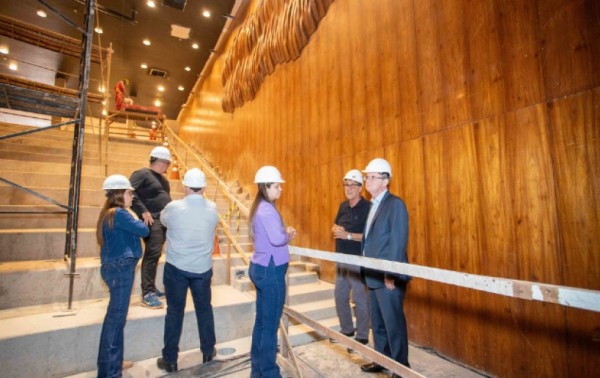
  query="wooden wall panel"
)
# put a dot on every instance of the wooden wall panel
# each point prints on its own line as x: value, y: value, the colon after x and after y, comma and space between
x: 407, y: 182
x: 569, y: 31
x: 497, y: 165
x: 575, y: 125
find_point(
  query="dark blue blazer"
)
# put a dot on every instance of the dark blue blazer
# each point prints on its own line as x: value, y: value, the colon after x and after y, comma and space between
x: 387, y: 239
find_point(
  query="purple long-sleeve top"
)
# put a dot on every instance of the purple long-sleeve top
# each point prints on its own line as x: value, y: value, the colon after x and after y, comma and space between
x: 270, y: 236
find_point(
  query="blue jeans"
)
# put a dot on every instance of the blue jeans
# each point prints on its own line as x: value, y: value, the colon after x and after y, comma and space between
x: 270, y: 298
x: 118, y: 276
x: 177, y: 282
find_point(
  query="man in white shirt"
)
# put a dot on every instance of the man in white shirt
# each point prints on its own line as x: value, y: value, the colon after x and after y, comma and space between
x: 191, y: 224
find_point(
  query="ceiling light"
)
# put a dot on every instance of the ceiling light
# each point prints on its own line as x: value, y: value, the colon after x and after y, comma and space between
x: 180, y: 88
x: 4, y: 50
x: 101, y: 88
x: 13, y: 66
x: 161, y: 88
x: 187, y: 68
x: 104, y: 112
x: 206, y: 14
x: 146, y: 42
x: 98, y: 30
x: 144, y: 65
x: 151, y: 4
x: 41, y: 13
x: 195, y: 46
x: 157, y: 103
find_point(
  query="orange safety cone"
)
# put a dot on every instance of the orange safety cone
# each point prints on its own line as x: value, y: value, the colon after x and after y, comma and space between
x: 174, y: 171
x: 216, y: 249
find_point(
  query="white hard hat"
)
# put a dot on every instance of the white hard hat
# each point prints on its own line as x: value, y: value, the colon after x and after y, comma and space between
x: 116, y: 182
x: 161, y: 153
x: 378, y: 166
x: 194, y: 178
x: 354, y: 175
x: 267, y: 174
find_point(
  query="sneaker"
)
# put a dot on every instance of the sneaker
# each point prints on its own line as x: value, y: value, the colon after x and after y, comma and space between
x: 151, y: 301
x: 159, y: 293
x: 169, y: 368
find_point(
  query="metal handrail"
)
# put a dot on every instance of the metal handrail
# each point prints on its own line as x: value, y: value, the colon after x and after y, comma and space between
x: 206, y: 168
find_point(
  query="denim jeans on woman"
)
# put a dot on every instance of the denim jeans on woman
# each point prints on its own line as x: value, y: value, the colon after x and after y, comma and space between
x: 270, y: 298
x: 176, y: 283
x: 118, y: 276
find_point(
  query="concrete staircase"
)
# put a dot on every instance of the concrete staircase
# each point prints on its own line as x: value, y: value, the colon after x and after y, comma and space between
x: 34, y: 317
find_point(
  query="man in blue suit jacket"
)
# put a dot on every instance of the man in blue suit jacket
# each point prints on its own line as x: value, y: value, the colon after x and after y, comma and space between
x: 386, y: 237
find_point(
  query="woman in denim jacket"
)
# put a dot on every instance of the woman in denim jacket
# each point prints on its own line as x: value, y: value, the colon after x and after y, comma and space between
x: 118, y: 232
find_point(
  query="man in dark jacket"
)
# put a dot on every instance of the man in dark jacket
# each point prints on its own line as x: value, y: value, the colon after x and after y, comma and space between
x: 152, y: 194
x: 386, y: 237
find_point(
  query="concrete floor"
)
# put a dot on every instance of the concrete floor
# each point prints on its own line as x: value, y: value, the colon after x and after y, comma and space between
x: 318, y: 360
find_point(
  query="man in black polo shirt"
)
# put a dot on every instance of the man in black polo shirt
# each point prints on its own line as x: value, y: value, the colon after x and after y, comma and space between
x: 152, y: 194
x: 347, y: 231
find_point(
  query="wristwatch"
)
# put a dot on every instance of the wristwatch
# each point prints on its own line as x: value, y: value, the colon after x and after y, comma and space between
x: 349, y: 237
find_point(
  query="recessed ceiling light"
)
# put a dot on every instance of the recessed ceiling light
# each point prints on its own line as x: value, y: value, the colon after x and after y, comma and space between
x: 4, y: 50
x: 206, y: 14
x: 180, y: 88
x: 144, y: 65
x: 195, y: 46
x: 98, y: 30
x: 146, y: 42
x: 161, y: 88
x: 41, y: 13
x: 151, y: 4
x: 13, y: 66
x: 157, y: 103
x: 187, y: 68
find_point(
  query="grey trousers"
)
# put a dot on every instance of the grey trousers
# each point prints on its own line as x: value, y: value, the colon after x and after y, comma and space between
x: 348, y: 279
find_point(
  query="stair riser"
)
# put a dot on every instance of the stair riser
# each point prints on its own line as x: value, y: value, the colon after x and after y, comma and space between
x: 317, y: 295
x: 28, y: 246
x: 62, y: 168
x: 87, y: 219
x: 37, y: 287
x: 89, y: 152
x: 74, y: 349
x: 126, y: 164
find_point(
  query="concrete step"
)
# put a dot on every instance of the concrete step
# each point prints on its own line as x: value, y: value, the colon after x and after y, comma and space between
x: 315, y: 291
x: 63, y: 168
x: 243, y: 282
x: 88, y: 197
x: 301, y: 334
x: 89, y: 153
x: 44, y: 244
x: 51, y: 180
x: 12, y: 196
x: 66, y: 343
x: 45, y: 218
x: 31, y: 283
x: 317, y: 309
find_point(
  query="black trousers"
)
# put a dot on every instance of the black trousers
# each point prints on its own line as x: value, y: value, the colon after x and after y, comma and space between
x: 153, y: 247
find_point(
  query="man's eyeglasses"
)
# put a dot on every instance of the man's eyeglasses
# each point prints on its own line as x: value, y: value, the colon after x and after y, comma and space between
x: 165, y: 161
x: 367, y: 178
x: 351, y: 185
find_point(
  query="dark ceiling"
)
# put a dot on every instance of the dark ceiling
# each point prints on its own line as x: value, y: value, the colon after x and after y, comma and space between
x: 125, y: 24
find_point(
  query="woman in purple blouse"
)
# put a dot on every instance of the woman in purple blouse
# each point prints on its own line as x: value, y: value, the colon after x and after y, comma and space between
x: 267, y: 270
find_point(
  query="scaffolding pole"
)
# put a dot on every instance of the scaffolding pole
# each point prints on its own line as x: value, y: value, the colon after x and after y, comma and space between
x: 78, y: 139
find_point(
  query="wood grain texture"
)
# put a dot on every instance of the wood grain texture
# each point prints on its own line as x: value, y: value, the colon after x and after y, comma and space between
x: 499, y: 167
